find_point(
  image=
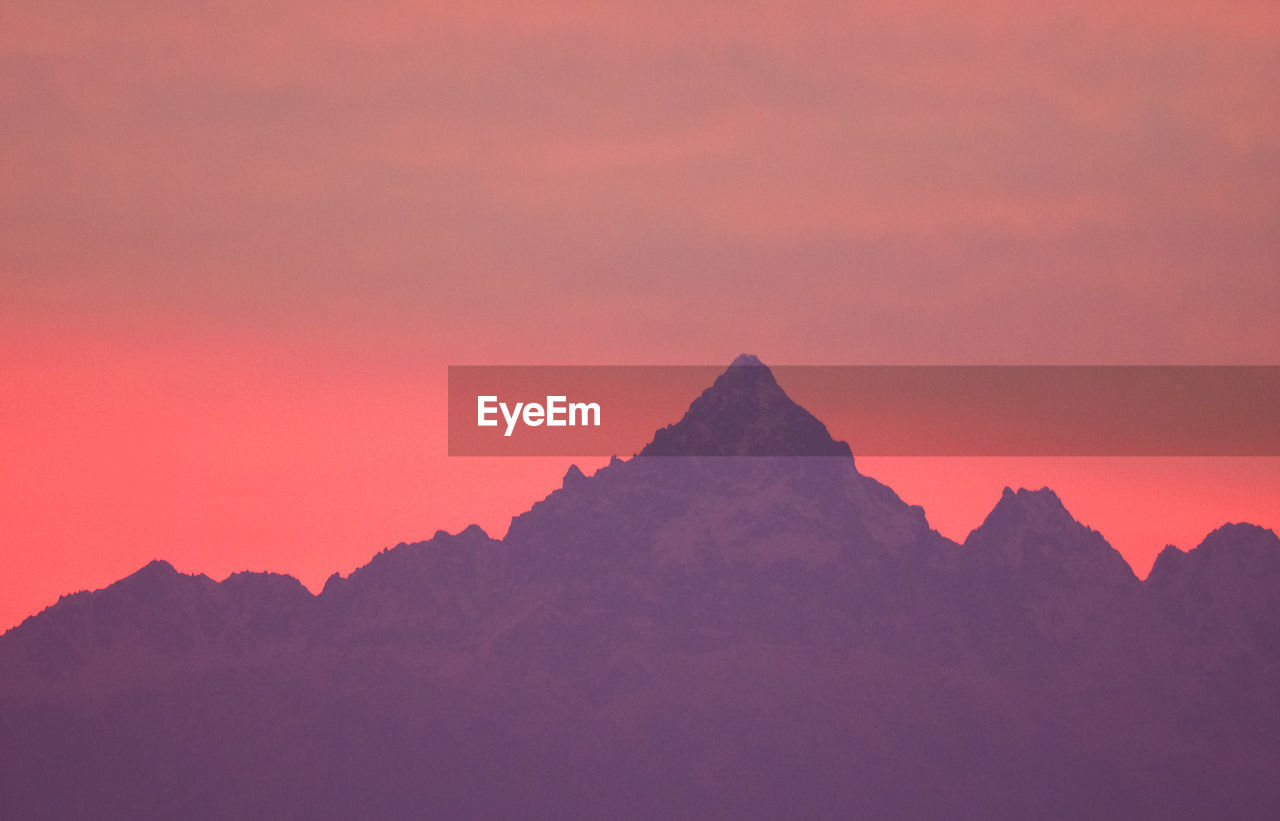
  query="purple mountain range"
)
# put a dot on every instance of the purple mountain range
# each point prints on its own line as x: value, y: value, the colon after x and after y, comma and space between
x: 715, y: 628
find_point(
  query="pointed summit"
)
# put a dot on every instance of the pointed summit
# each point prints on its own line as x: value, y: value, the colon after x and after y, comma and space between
x: 1039, y: 509
x: 1169, y: 564
x: 155, y: 577
x: 746, y: 360
x: 574, y: 477
x: 1031, y: 532
x: 745, y: 413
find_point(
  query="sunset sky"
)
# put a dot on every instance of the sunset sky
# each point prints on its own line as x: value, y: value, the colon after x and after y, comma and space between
x: 241, y: 243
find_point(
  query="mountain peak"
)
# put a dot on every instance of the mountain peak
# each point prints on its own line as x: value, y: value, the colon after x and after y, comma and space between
x: 1239, y: 562
x: 155, y: 575
x: 745, y: 413
x: 573, y: 477
x: 1023, y: 512
x: 156, y: 567
x: 1248, y: 548
x: 1168, y: 565
x: 1033, y: 529
x: 746, y: 360
x: 1038, y: 508
x: 1238, y: 536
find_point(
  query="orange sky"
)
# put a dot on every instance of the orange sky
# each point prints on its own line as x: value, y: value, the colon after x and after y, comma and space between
x: 240, y: 245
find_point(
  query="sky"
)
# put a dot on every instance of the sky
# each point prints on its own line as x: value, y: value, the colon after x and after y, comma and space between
x: 240, y: 243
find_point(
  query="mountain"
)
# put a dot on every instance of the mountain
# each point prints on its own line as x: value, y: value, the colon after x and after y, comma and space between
x: 735, y: 623
x: 745, y: 413
x: 1224, y: 594
x: 1031, y: 536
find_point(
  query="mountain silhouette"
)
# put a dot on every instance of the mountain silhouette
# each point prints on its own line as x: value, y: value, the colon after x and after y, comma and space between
x: 745, y: 413
x: 745, y: 627
x: 1030, y: 535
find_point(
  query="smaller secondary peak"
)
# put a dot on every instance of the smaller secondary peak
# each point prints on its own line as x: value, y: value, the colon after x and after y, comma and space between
x: 1235, y: 556
x: 255, y: 583
x: 1040, y: 506
x: 471, y: 531
x: 156, y: 576
x: 153, y: 571
x: 1027, y: 510
x: 1032, y: 531
x: 573, y: 476
x: 1044, y: 494
x: 158, y: 566
x: 746, y: 360
x: 1239, y: 531
x: 1246, y: 543
x: 1167, y: 565
x: 332, y: 584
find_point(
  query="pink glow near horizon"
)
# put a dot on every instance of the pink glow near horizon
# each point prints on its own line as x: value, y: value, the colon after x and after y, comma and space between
x: 240, y: 245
